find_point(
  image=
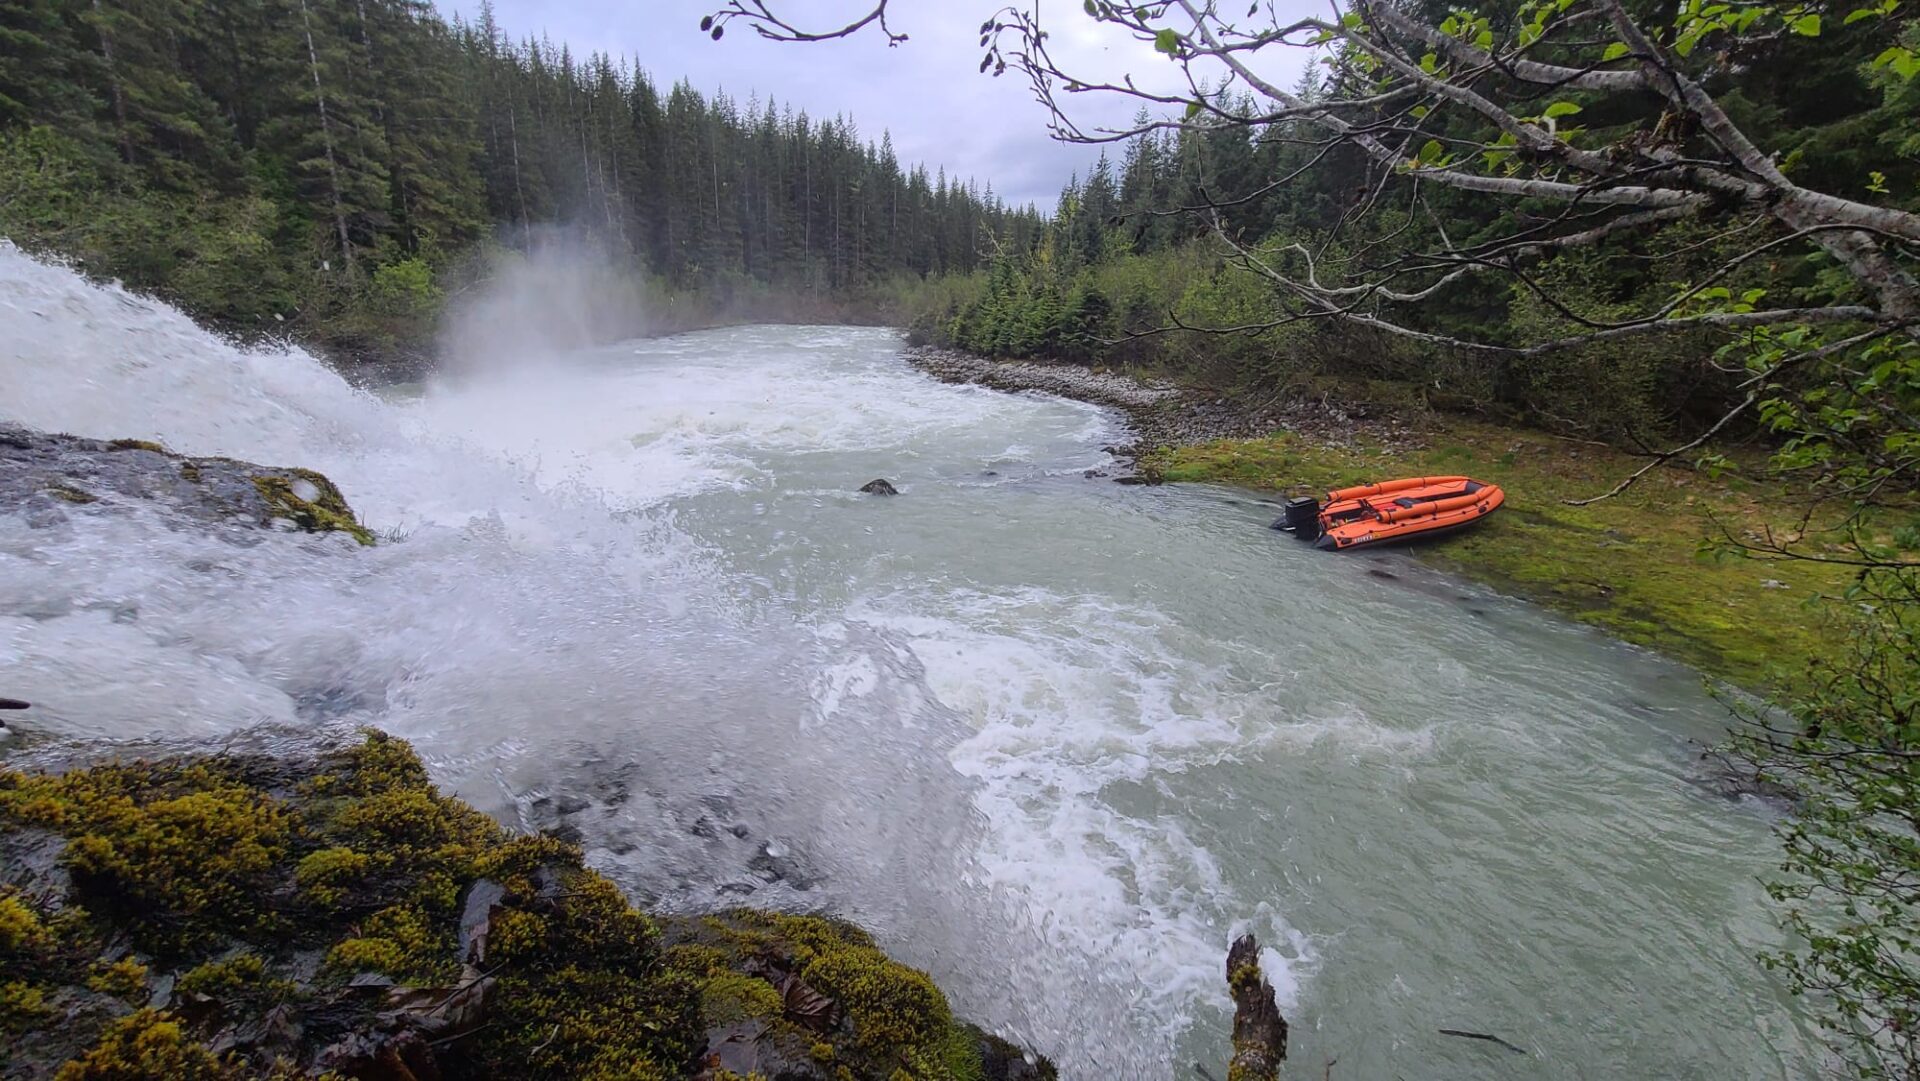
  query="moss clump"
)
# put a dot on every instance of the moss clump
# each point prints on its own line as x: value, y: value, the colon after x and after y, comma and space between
x: 124, y: 979
x: 21, y: 1006
x: 67, y: 493
x: 190, y: 471
x: 147, y: 1044
x: 888, y: 1019
x: 329, y: 875
x: 136, y: 444
x: 223, y: 977
x: 182, y: 852
x: 735, y: 996
x: 326, y: 512
x: 21, y: 932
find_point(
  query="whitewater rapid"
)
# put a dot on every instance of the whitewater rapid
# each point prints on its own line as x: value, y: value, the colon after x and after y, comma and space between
x: 1053, y: 739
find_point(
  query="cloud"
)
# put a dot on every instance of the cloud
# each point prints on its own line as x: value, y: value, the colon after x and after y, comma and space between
x: 928, y: 93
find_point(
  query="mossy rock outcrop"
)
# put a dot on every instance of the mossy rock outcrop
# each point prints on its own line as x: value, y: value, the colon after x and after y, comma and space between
x: 47, y: 475
x: 330, y: 914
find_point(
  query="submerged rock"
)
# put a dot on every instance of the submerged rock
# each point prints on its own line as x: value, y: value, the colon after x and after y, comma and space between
x: 309, y: 909
x: 45, y: 475
x: 879, y: 486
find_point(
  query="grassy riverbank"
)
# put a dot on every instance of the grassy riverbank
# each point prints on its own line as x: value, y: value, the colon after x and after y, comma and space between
x: 1636, y: 566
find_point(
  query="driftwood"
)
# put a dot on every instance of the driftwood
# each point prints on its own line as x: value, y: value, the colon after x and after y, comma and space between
x: 1489, y: 1037
x: 1259, y: 1032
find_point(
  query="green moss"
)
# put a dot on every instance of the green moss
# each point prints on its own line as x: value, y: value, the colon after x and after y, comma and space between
x: 359, y: 857
x: 190, y: 471
x: 180, y: 854
x: 326, y: 512
x: 328, y: 875
x: 889, y: 1004
x: 21, y: 932
x: 21, y: 1006
x: 1632, y: 566
x: 136, y: 444
x: 217, y: 979
x: 732, y: 996
x: 143, y: 1045
x: 125, y: 979
x: 67, y: 493
x: 896, y: 1018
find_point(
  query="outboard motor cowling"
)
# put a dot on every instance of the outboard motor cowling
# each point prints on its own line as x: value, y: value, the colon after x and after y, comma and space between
x: 1302, y: 518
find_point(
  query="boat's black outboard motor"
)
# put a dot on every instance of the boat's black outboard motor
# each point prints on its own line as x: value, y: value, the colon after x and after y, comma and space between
x: 1302, y: 518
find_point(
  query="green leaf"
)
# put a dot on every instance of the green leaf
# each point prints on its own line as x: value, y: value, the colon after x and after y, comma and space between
x: 1430, y: 63
x: 1857, y: 14
x: 1559, y: 109
x: 1091, y: 9
x: 1450, y: 27
x: 1615, y: 51
x: 1420, y: 112
x: 1807, y: 26
x: 1167, y: 41
x: 1432, y: 152
x: 1193, y: 109
x: 1483, y: 40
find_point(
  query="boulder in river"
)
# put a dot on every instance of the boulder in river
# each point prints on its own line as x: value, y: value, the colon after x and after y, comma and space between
x: 44, y: 475
x: 879, y: 486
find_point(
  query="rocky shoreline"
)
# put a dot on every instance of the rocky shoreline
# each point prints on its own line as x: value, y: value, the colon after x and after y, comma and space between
x: 1161, y: 413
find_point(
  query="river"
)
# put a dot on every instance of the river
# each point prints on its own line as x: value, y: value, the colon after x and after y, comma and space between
x: 1053, y: 738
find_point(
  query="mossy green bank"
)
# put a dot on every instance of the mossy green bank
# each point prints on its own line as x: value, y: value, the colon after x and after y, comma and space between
x: 1650, y: 565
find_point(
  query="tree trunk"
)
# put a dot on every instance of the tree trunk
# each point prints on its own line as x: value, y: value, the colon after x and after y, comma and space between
x: 114, y: 88
x: 326, y: 139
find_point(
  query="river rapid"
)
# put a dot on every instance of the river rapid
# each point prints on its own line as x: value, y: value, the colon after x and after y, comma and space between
x: 1052, y: 738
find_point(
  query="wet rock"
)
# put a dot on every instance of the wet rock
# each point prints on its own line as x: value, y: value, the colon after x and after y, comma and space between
x: 1735, y: 781
x: 48, y: 476
x: 476, y: 918
x: 774, y: 864
x: 879, y: 486
x: 754, y: 1048
x: 1259, y: 1031
x: 1003, y: 1061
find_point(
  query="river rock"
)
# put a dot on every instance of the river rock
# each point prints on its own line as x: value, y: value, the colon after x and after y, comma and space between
x: 879, y: 486
x: 45, y: 476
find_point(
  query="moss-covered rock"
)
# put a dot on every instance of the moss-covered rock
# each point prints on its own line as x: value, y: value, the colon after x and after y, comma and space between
x: 336, y: 915
x: 50, y: 475
x: 820, y: 999
x: 310, y: 501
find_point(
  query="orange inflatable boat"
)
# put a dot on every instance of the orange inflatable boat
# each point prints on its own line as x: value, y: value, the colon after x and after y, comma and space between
x: 1395, y: 510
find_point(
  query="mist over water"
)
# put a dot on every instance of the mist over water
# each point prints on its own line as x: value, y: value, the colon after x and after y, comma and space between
x: 1053, y: 739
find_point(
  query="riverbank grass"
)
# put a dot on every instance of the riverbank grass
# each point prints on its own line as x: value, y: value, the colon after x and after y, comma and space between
x: 1643, y: 566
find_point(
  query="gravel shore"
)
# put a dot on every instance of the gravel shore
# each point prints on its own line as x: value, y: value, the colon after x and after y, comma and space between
x: 1159, y: 413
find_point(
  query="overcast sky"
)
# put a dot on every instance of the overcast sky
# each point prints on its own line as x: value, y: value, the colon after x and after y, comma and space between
x: 927, y: 92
